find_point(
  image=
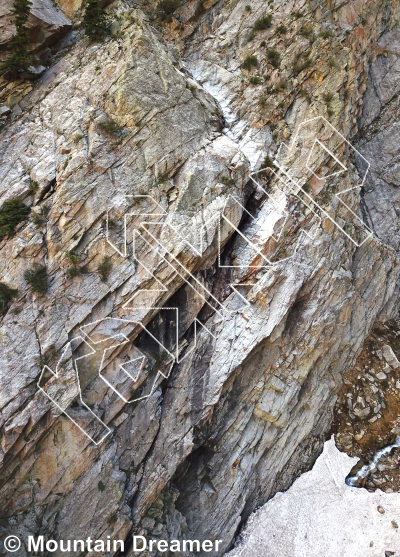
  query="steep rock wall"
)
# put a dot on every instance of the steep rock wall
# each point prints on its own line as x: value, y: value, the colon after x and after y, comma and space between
x: 249, y: 407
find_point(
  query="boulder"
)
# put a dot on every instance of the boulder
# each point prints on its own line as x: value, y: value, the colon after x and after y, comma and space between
x: 390, y: 356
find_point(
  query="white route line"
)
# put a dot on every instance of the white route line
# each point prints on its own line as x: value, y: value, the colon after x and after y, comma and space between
x: 185, y: 270
x: 222, y: 310
x: 331, y: 154
x: 56, y: 374
x: 337, y: 195
x: 136, y: 377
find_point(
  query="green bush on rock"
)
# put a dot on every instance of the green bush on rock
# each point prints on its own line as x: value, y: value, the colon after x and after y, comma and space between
x: 94, y: 20
x: 6, y: 297
x: 11, y: 214
x: 250, y: 62
x: 263, y: 23
x: 37, y: 279
x: 104, y: 269
x: 19, y: 60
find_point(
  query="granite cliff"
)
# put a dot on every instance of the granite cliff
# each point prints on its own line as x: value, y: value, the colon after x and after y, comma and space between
x: 170, y: 116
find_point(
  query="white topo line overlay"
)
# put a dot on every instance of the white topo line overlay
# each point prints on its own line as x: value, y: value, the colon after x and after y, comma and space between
x: 156, y: 216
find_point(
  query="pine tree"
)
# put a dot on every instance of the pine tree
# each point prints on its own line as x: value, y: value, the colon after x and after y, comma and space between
x: 19, y: 44
x: 94, y: 20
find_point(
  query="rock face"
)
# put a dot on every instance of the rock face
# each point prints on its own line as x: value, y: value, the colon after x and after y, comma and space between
x: 367, y: 417
x: 115, y: 134
x: 46, y: 23
x: 379, y: 132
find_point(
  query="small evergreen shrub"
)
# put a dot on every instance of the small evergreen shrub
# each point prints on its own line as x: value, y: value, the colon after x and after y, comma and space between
x: 11, y: 214
x: 281, y: 29
x: 328, y: 96
x: 110, y: 127
x: 326, y: 34
x: 37, y: 279
x: 250, y: 62
x: 267, y: 163
x: 263, y: 100
x: 77, y: 137
x: 38, y: 219
x: 104, y: 268
x: 263, y: 23
x: 76, y: 269
x: 49, y: 356
x: 254, y: 80
x: 33, y: 186
x: 19, y: 44
x: 7, y: 295
x: 94, y: 20
x: 228, y: 181
x: 273, y: 57
x: 112, y: 519
x: 72, y: 256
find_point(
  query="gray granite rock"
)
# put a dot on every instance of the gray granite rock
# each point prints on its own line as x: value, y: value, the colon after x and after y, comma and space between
x: 248, y: 408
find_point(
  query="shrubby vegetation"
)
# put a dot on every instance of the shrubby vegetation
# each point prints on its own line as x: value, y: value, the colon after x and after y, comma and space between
x: 7, y: 295
x: 76, y: 269
x: 39, y: 218
x: 11, y: 214
x: 104, y: 268
x: 267, y: 163
x: 37, y: 279
x: 273, y: 57
x: 307, y: 31
x: 250, y: 62
x: 19, y: 44
x: 301, y: 64
x: 94, y: 20
x: 110, y: 127
x: 263, y: 23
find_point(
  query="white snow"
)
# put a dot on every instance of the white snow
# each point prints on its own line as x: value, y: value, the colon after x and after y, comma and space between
x: 223, y: 86
x: 320, y: 516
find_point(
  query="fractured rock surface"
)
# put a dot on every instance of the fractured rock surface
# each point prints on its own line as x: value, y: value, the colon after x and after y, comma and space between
x: 135, y: 123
